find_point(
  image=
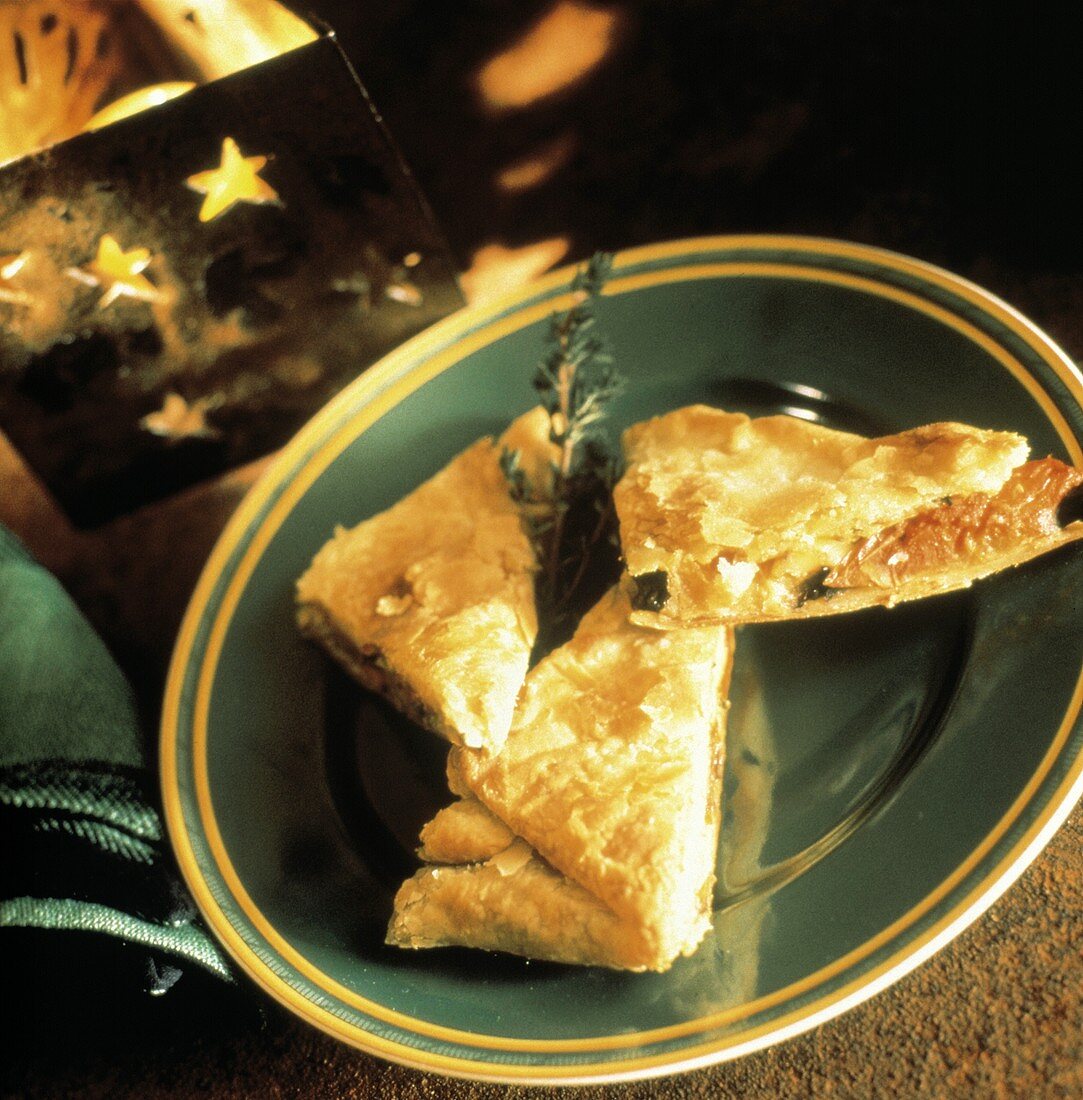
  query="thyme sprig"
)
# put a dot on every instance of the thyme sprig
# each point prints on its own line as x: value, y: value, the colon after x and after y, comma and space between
x: 571, y: 514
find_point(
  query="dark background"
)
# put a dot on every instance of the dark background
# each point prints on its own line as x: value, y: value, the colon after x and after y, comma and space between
x: 947, y: 130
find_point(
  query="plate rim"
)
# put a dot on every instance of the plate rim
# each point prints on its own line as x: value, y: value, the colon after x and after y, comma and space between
x: 380, y: 388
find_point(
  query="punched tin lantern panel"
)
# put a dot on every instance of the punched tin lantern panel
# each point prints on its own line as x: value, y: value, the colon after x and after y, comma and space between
x: 184, y: 283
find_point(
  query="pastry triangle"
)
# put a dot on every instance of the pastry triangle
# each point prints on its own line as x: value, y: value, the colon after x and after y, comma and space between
x: 492, y: 891
x: 728, y: 519
x: 612, y: 771
x: 431, y: 603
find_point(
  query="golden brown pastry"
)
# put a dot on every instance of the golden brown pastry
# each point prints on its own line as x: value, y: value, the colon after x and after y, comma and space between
x: 612, y: 774
x: 494, y: 892
x: 728, y: 519
x: 514, y: 901
x: 464, y: 832
x: 431, y: 602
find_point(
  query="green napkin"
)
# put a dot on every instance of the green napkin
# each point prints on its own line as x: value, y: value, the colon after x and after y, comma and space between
x: 84, y: 847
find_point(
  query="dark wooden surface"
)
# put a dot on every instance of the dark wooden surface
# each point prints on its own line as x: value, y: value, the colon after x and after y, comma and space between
x: 918, y: 127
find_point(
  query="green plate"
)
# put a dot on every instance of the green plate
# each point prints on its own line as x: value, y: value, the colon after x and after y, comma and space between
x: 889, y: 773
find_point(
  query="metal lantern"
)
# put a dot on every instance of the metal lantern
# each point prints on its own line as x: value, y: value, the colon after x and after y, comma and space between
x: 185, y: 283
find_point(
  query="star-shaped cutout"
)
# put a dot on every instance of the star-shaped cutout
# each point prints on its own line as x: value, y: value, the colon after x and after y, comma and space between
x: 10, y: 266
x: 236, y: 179
x: 496, y: 269
x: 120, y: 272
x: 179, y: 419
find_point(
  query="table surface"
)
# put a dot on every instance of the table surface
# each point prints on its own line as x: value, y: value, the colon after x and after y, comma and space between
x: 766, y: 117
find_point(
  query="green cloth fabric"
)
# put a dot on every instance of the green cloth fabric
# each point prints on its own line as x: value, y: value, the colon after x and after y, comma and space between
x: 84, y: 848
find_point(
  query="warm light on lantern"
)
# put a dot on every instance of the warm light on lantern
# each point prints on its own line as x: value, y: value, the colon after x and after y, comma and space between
x: 568, y: 42
x: 495, y: 269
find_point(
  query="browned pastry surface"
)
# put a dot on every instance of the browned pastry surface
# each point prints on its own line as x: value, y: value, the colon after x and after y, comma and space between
x: 432, y: 601
x: 729, y: 519
x: 612, y: 770
x: 967, y: 533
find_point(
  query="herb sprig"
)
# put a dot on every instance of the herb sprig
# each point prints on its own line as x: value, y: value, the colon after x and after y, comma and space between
x: 572, y: 519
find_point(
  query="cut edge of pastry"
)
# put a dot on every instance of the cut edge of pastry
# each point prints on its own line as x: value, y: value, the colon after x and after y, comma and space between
x: 380, y: 629
x: 369, y: 668
x: 1006, y: 514
x: 879, y: 570
x: 484, y: 888
x: 532, y: 911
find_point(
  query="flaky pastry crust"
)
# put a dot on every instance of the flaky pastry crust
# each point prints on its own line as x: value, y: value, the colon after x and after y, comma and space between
x: 612, y: 770
x: 498, y: 894
x: 432, y: 601
x: 532, y: 910
x: 731, y: 519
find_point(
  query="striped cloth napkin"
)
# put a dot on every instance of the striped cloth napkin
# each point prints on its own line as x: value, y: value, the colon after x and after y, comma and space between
x: 84, y: 847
